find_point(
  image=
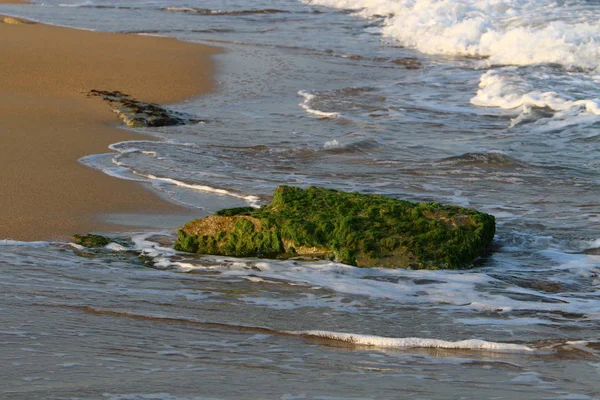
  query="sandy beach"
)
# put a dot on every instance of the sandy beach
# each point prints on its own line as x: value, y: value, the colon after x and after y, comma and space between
x: 48, y: 122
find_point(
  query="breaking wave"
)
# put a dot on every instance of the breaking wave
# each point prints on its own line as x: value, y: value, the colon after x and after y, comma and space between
x: 505, y: 32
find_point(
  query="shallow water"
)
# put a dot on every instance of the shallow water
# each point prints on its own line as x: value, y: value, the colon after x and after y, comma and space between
x: 310, y: 95
x: 108, y: 326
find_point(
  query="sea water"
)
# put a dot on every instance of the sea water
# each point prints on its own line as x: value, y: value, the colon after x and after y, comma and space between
x: 490, y: 104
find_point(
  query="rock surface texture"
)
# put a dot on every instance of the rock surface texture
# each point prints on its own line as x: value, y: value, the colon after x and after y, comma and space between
x: 356, y: 229
x: 137, y: 114
x: 90, y: 240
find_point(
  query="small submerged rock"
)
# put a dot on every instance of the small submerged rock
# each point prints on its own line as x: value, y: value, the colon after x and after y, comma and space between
x: 353, y: 228
x: 137, y: 114
x: 113, y: 248
x: 90, y: 240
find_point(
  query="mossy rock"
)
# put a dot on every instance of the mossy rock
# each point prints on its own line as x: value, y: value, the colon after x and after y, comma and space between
x: 353, y: 228
x: 91, y: 240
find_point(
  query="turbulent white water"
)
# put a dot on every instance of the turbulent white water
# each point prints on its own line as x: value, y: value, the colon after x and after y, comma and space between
x: 501, y: 88
x: 499, y: 33
x: 513, y: 32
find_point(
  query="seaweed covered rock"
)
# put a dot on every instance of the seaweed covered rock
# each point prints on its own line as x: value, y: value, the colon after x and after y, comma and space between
x: 137, y: 114
x: 353, y: 228
x: 90, y: 240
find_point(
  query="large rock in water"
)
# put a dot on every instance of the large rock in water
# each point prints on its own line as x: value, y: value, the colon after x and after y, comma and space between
x: 356, y: 229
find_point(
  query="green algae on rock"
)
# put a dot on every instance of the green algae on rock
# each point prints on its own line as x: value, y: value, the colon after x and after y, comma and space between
x: 353, y: 228
x: 137, y: 114
x: 90, y: 240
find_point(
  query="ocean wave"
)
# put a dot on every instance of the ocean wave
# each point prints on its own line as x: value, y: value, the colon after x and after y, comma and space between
x: 404, y: 343
x: 347, y: 104
x: 307, y: 105
x: 253, y: 201
x: 10, y: 242
x: 367, y: 146
x: 113, y: 165
x: 505, y: 32
x: 573, y: 348
x: 206, y: 11
x: 406, y: 62
x: 463, y: 291
x: 491, y: 158
x: 354, y: 339
x: 507, y: 91
x: 92, y: 4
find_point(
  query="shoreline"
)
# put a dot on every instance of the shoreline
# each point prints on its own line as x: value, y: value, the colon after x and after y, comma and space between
x: 48, y: 122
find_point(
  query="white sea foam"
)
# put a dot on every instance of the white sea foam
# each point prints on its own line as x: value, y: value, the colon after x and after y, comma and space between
x: 506, y: 32
x: 110, y: 164
x: 9, y: 242
x: 332, y: 144
x: 307, y: 106
x: 106, y: 163
x: 115, y: 247
x: 498, y: 89
x: 591, y: 244
x: 413, y: 342
x: 451, y: 290
x: 184, y: 9
x: 251, y: 200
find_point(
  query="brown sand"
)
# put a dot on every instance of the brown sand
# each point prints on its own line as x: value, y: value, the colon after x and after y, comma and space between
x: 14, y: 2
x: 47, y: 122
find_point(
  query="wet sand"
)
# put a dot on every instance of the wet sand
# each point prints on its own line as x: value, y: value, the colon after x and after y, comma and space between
x: 47, y: 122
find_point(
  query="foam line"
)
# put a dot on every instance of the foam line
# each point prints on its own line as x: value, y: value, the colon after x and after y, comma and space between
x: 306, y: 105
x: 252, y: 200
x: 387, y: 342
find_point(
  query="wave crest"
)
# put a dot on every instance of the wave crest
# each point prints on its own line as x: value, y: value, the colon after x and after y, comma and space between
x: 506, y: 32
x: 491, y: 158
x: 387, y: 342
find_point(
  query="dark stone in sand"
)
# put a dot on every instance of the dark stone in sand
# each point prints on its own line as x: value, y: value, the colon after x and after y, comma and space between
x: 353, y: 228
x: 137, y: 114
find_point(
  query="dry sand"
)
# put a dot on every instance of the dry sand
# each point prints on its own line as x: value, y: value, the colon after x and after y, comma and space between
x: 47, y: 122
